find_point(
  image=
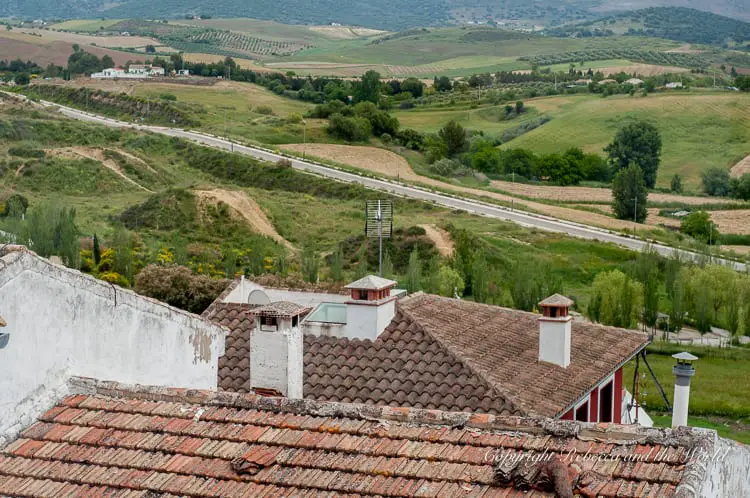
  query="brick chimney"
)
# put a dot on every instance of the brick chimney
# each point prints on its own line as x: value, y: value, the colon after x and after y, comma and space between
x: 555, y: 330
x: 276, y: 349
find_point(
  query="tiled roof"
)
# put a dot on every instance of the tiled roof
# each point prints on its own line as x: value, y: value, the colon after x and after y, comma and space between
x: 138, y: 442
x: 405, y: 366
x: 281, y: 308
x: 502, y: 347
x: 234, y: 366
x: 371, y: 282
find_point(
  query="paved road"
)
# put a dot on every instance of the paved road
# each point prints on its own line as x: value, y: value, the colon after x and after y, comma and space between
x: 450, y: 201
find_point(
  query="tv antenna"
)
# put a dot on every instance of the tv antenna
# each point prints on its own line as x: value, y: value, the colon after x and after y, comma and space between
x: 379, y: 224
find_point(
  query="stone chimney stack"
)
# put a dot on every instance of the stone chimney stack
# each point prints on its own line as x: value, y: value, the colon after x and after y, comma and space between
x: 682, y: 371
x: 555, y: 326
x: 276, y: 349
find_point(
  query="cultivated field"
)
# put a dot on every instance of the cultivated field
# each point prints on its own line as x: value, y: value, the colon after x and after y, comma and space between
x: 43, y: 51
x: 243, y: 63
x: 741, y: 168
x: 732, y: 221
x: 616, y: 66
x: 86, y: 25
x: 346, y: 32
x: 592, y: 194
x: 380, y: 161
x: 99, y: 41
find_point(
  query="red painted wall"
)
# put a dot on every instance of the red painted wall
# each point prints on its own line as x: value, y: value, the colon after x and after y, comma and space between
x: 617, y: 394
x: 568, y: 415
x: 594, y: 406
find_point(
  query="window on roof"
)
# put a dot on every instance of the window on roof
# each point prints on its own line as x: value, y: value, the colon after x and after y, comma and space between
x: 582, y: 413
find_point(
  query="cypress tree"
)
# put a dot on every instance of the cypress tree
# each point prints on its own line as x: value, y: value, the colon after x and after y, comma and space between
x: 97, y: 251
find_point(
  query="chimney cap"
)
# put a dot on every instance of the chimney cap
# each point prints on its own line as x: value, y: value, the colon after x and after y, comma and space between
x: 684, y: 357
x: 557, y: 300
x: 281, y: 309
x: 371, y: 282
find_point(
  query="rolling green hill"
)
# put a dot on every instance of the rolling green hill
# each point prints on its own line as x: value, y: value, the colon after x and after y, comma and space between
x: 673, y: 23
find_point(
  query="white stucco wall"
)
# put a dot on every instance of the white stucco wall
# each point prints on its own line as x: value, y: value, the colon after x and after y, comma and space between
x: 727, y: 475
x: 367, y: 321
x: 65, y: 323
x: 554, y: 340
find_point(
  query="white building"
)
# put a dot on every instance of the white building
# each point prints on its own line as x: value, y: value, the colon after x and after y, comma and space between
x: 674, y: 85
x: 634, y: 82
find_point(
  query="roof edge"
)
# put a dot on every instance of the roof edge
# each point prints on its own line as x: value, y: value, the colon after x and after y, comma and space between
x: 220, y: 298
x: 611, y: 433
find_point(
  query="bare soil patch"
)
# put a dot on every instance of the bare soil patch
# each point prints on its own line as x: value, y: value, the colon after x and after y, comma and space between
x: 96, y: 155
x: 373, y: 159
x: 245, y: 208
x: 593, y: 194
x: 684, y: 49
x: 440, y: 238
x: 44, y: 51
x: 741, y: 250
x: 741, y: 168
x: 100, y: 41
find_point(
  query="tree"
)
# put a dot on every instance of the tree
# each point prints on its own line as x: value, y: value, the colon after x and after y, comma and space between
x: 616, y: 300
x: 519, y: 161
x: 387, y: 265
x: 486, y: 159
x: 97, y: 252
x: 310, y: 264
x: 352, y: 129
x: 716, y: 182
x: 742, y: 82
x: 107, y: 62
x: 676, y: 184
x: 123, y: 245
x: 337, y: 264
x: 414, y: 272
x: 51, y: 230
x: 699, y: 226
x: 150, y: 49
x: 638, y: 143
x: 740, y: 187
x: 179, y: 286
x: 629, y: 194
x: 442, y: 84
x: 450, y: 282
x: 413, y: 86
x: 648, y: 273
x: 519, y: 107
x: 368, y: 90
x: 559, y: 170
x: 453, y: 135
x: 480, y: 278
x: 22, y: 79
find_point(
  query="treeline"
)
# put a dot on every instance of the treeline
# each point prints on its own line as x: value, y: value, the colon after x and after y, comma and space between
x: 717, y: 182
x: 115, y: 104
x: 647, y: 56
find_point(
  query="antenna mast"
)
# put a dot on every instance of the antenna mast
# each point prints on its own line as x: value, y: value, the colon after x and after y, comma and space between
x: 379, y: 224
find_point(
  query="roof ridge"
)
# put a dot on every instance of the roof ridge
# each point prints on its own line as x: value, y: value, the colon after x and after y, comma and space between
x: 220, y: 298
x: 515, y: 404
x: 604, y: 432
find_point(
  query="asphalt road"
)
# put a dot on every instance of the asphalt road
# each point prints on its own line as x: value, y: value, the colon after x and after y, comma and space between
x: 400, y: 189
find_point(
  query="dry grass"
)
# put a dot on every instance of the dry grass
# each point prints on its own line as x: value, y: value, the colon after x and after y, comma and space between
x: 592, y: 194
x: 373, y: 159
x: 741, y: 168
x: 732, y: 221
x: 345, y: 32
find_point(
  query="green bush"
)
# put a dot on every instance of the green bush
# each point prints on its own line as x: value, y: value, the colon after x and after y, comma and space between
x: 26, y: 151
x: 354, y: 129
x: 265, y: 110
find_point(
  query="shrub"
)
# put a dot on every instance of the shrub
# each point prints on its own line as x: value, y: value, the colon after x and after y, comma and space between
x: 168, y: 96
x: 26, y: 151
x: 699, y: 226
x: 178, y: 286
x: 445, y: 167
x: 716, y: 182
x: 354, y: 129
x: 676, y: 184
x: 265, y: 110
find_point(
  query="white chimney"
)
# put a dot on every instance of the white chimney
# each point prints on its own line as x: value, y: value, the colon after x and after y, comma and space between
x: 276, y: 349
x: 682, y: 371
x: 555, y: 326
x: 371, y: 307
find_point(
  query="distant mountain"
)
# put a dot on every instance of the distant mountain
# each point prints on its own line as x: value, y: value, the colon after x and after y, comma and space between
x: 382, y: 14
x: 673, y: 23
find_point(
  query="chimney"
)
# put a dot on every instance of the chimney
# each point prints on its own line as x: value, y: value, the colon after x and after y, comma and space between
x: 276, y: 349
x: 682, y: 371
x: 371, y: 307
x: 555, y: 330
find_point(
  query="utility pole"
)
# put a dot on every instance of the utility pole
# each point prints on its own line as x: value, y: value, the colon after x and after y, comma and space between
x: 635, y: 214
x: 304, y: 138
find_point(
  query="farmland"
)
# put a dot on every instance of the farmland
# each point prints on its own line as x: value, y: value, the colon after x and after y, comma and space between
x: 44, y: 50
x: 699, y: 130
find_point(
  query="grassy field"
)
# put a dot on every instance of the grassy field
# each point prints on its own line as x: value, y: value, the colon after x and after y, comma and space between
x: 85, y: 25
x: 699, y: 130
x: 719, y: 396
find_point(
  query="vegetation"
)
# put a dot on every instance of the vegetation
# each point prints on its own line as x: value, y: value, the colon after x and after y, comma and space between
x: 179, y: 286
x: 699, y: 226
x: 630, y: 194
x: 637, y: 143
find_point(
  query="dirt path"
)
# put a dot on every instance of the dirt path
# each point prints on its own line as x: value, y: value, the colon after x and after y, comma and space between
x: 96, y: 155
x: 441, y: 238
x: 741, y: 168
x: 248, y: 209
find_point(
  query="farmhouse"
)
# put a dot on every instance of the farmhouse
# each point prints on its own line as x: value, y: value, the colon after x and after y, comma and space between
x: 133, y: 71
x: 107, y: 393
x: 634, y: 82
x: 673, y: 85
x: 425, y: 351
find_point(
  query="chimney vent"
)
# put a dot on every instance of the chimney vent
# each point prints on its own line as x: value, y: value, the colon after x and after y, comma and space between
x: 682, y: 371
x: 555, y: 330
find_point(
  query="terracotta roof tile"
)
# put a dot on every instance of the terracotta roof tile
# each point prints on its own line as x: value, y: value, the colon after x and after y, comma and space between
x: 323, y: 449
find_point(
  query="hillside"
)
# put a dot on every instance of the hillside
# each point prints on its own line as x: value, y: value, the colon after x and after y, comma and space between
x: 385, y: 14
x: 673, y: 23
